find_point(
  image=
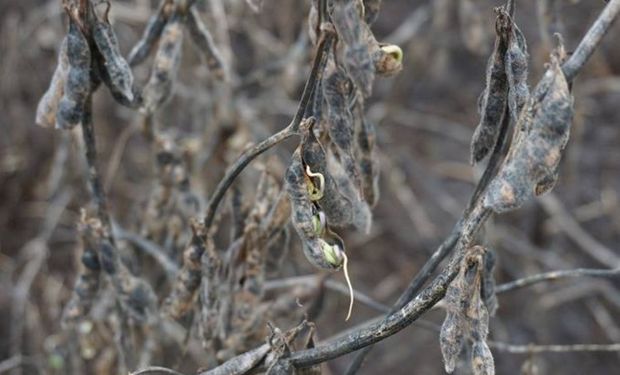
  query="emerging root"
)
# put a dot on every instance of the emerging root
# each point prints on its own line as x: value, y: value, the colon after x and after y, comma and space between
x: 345, y: 268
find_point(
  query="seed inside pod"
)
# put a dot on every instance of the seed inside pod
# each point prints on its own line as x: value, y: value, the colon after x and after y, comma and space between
x: 388, y: 60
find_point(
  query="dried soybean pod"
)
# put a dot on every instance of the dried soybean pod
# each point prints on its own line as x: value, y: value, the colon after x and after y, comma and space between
x: 492, y: 102
x: 354, y: 33
x: 451, y: 339
x: 516, y: 72
x: 337, y: 90
x: 510, y: 188
x: 467, y: 315
x: 165, y: 66
x: 474, y: 307
x: 307, y: 221
x: 542, y: 133
x: 354, y: 206
x: 337, y: 207
x: 116, y: 72
x: 151, y: 34
x: 78, y: 83
x: 454, y: 327
x: 48, y: 104
x: 482, y: 359
x: 203, y: 40
x: 302, y: 211
x: 314, y: 163
x: 487, y: 288
x: 551, y: 131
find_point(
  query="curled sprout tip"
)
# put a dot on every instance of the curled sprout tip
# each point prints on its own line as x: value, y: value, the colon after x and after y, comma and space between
x: 395, y: 51
x: 316, y: 195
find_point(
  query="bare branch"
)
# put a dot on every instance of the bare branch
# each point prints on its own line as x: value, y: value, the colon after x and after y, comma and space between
x: 315, y: 75
x: 591, y: 40
x: 553, y: 206
x: 375, y: 332
x: 314, y: 280
x: 555, y: 275
x: 529, y: 349
x: 90, y: 148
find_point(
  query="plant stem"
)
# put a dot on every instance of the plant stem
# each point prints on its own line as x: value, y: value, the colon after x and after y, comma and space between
x: 591, y: 40
x: 555, y: 275
x: 94, y: 179
x: 318, y: 66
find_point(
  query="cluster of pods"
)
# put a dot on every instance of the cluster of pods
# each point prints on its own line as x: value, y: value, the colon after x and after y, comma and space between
x: 470, y: 300
x: 332, y: 179
x: 542, y: 119
x: 90, y: 55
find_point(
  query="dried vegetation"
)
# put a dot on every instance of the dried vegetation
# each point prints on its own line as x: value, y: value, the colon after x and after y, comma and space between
x: 168, y: 243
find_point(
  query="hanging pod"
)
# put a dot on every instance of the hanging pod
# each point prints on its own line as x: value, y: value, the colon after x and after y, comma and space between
x: 338, y: 92
x: 78, y: 83
x: 492, y: 102
x: 165, y: 66
x: 113, y: 67
x: 353, y: 32
x: 541, y: 134
x: 516, y: 71
x: 361, y: 217
x: 309, y: 222
x: 467, y: 317
x: 321, y: 246
x: 321, y: 185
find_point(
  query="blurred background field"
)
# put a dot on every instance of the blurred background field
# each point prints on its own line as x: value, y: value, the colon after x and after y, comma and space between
x: 425, y: 117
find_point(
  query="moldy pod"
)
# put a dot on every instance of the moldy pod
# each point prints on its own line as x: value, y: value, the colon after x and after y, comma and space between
x: 493, y: 100
x: 78, y: 83
x: 114, y: 69
x: 541, y: 134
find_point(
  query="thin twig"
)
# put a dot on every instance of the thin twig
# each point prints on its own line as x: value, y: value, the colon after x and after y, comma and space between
x: 555, y: 275
x: 94, y: 179
x: 529, y: 349
x: 317, y: 70
x: 238, y: 167
x: 376, y: 332
x: 565, y: 221
x: 591, y: 40
x: 313, y: 281
x: 148, y: 247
